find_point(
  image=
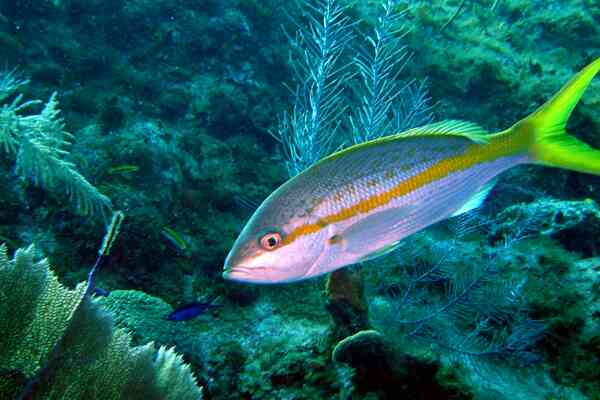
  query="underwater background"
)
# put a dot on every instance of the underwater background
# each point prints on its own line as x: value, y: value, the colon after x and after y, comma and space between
x: 171, y: 111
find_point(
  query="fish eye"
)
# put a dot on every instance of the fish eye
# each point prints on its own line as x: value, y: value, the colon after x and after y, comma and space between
x: 270, y: 241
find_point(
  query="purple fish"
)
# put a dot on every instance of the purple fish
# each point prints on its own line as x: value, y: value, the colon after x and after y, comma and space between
x: 192, y: 310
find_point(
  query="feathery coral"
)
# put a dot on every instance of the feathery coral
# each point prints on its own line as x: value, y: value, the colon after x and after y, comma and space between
x: 41, y: 147
x: 387, y: 104
x: 309, y: 132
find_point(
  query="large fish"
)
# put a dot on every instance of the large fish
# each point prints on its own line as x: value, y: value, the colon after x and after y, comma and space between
x: 358, y: 203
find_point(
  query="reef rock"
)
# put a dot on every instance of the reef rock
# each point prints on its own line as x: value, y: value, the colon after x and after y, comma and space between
x: 383, y: 370
x: 573, y: 223
x: 346, y: 302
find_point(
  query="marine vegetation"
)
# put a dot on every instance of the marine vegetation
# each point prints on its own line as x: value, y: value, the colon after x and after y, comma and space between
x: 41, y: 144
x: 59, y: 343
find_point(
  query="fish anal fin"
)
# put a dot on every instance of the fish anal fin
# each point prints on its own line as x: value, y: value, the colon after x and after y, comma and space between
x: 477, y: 199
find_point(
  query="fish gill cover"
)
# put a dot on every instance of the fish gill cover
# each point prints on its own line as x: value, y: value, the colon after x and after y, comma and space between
x: 172, y: 108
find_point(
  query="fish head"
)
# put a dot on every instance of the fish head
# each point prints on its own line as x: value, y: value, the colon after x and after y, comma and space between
x: 274, y: 247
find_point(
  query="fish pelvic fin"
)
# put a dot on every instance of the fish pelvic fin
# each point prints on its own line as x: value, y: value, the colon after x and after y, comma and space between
x: 544, y: 131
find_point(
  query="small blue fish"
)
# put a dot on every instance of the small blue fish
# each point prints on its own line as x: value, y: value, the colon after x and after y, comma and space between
x: 101, y: 292
x: 192, y: 310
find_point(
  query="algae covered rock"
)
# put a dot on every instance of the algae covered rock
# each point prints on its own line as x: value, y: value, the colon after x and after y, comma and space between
x: 57, y: 343
x: 572, y: 344
x: 346, y: 302
x: 363, y: 347
x: 382, y: 369
x: 574, y: 224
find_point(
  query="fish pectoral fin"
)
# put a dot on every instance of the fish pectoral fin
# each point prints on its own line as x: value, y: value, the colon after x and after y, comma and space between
x: 373, y: 235
x: 477, y: 199
x: 381, y: 252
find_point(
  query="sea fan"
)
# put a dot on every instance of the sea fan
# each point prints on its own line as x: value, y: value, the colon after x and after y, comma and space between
x: 60, y: 344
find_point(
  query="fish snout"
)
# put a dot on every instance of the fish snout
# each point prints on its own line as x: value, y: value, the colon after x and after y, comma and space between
x: 237, y: 273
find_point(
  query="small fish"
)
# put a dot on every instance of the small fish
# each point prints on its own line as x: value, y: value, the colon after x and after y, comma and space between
x: 101, y: 292
x: 175, y: 239
x: 358, y: 203
x: 123, y: 169
x: 192, y: 310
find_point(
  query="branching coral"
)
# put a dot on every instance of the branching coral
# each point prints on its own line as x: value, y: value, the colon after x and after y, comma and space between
x: 310, y: 131
x: 387, y: 103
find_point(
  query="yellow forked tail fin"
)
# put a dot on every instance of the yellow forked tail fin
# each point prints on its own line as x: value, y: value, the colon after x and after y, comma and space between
x: 550, y: 144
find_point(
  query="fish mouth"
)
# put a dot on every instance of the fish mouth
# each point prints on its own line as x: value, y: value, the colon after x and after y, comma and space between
x: 240, y: 273
x: 237, y: 273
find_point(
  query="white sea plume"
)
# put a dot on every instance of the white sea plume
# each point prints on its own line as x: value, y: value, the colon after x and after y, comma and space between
x: 41, y: 146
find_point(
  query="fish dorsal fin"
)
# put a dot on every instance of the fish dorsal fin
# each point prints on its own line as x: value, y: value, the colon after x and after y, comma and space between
x: 456, y: 128
x: 452, y: 127
x: 477, y: 199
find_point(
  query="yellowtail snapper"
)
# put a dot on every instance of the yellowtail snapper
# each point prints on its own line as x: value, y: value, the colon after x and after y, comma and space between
x: 358, y: 203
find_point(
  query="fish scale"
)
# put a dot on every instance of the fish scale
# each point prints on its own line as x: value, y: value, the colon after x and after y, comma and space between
x: 391, y: 190
x: 394, y: 159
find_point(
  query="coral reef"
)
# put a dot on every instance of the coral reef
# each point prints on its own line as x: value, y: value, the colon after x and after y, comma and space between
x: 573, y: 223
x: 275, y: 355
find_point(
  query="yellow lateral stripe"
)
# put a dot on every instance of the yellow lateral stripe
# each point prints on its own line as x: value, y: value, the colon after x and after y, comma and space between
x: 502, y: 144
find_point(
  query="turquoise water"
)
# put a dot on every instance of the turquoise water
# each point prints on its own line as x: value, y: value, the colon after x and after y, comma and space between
x: 186, y: 115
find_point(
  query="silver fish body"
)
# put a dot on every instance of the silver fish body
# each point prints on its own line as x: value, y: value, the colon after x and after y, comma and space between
x: 344, y: 210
